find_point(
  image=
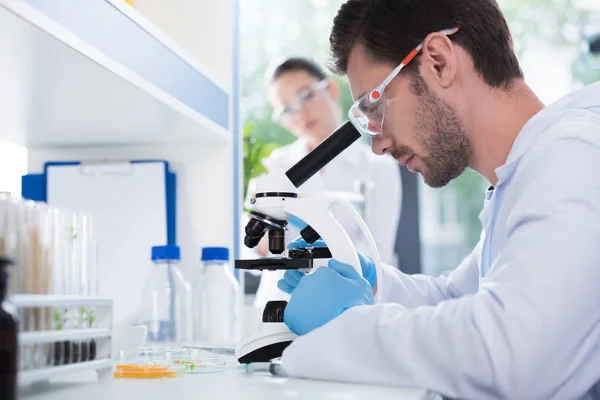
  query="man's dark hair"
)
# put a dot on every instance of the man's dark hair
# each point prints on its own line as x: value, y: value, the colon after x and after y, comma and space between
x: 390, y: 29
x: 298, y: 64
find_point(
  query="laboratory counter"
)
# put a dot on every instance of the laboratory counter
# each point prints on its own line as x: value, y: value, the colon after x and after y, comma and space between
x: 233, y: 383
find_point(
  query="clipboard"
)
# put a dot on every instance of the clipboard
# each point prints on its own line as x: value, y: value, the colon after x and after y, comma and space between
x: 136, y: 205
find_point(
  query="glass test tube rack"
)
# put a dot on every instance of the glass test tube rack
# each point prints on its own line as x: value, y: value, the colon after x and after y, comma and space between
x: 62, y: 334
x: 63, y: 325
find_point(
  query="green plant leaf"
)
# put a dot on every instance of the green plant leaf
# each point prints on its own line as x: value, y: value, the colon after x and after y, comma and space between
x: 255, y: 150
x: 57, y: 318
x: 91, y: 318
x: 248, y: 128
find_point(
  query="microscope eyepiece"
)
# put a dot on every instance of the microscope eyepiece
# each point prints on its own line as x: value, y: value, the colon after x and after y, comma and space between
x: 330, y: 148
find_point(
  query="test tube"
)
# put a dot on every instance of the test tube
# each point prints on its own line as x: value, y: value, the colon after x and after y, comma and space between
x: 61, y: 252
x: 41, y: 232
x: 76, y: 265
x: 66, y: 236
x: 89, y: 255
x: 47, y: 221
x: 28, y: 238
x: 36, y: 257
x: 93, y: 254
x: 58, y: 348
x: 55, y: 251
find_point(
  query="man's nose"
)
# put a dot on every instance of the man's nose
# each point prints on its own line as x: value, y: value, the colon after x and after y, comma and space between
x: 381, y: 145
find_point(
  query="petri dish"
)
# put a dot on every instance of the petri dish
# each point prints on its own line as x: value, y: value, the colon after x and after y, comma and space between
x: 183, y: 360
x: 202, y: 362
x: 148, y: 371
x: 146, y: 364
x: 196, y: 361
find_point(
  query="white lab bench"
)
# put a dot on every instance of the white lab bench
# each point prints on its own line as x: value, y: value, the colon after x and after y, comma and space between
x: 233, y: 383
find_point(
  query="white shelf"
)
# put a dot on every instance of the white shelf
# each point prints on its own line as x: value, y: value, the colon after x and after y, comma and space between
x: 173, y: 46
x: 27, y: 338
x: 57, y: 90
x: 51, y: 372
x: 41, y: 300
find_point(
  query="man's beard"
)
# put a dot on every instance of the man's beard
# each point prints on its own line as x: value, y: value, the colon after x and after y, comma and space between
x: 440, y: 134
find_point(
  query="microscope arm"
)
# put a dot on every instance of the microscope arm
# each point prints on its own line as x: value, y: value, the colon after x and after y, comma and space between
x: 317, y: 213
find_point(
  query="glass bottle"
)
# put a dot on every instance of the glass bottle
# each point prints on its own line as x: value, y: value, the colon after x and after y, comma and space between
x: 216, y: 296
x: 167, y: 300
x: 9, y: 327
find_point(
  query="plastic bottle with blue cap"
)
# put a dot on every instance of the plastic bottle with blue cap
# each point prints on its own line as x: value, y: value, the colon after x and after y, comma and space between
x: 166, y: 306
x: 216, y: 300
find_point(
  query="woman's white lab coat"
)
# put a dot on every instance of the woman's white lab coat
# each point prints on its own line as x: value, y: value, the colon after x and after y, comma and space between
x: 355, y: 164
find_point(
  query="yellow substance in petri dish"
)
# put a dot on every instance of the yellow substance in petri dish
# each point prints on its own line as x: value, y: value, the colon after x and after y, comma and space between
x: 143, y: 371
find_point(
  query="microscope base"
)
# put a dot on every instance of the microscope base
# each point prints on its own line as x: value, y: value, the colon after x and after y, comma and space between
x: 268, y: 343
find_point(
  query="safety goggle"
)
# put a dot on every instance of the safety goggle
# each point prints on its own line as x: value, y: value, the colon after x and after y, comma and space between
x: 367, y: 113
x: 289, y: 110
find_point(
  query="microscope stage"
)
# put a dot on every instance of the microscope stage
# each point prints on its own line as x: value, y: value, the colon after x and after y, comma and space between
x: 299, y: 259
x: 273, y: 264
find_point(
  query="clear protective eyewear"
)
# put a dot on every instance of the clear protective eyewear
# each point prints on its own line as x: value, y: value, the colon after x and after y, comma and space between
x: 367, y: 113
x: 304, y: 95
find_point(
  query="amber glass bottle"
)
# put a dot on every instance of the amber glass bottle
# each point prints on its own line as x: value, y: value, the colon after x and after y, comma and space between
x: 9, y: 326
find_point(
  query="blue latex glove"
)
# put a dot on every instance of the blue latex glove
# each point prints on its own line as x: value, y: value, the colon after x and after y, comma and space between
x: 290, y: 280
x: 292, y: 277
x: 366, y: 263
x: 323, y: 295
x: 300, y: 243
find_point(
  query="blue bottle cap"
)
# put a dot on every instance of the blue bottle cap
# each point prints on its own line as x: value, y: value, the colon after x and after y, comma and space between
x: 215, y: 254
x: 166, y: 253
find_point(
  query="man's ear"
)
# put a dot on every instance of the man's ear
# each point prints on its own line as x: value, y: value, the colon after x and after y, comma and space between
x: 333, y: 89
x: 438, y: 59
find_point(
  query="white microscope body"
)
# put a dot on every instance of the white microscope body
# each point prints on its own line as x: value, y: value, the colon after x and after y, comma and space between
x: 276, y: 201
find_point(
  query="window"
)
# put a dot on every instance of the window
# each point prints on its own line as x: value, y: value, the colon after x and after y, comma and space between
x: 548, y: 39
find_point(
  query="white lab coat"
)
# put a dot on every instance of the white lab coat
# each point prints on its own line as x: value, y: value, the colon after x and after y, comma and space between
x: 357, y: 163
x: 520, y: 317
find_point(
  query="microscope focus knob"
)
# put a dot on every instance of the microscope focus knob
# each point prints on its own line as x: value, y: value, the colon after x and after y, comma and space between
x: 273, y: 311
x: 309, y: 235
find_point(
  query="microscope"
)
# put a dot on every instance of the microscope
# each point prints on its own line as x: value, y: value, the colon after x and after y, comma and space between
x: 276, y: 200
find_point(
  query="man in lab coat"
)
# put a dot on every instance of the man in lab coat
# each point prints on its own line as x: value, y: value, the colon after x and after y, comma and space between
x: 520, y: 317
x: 305, y: 101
